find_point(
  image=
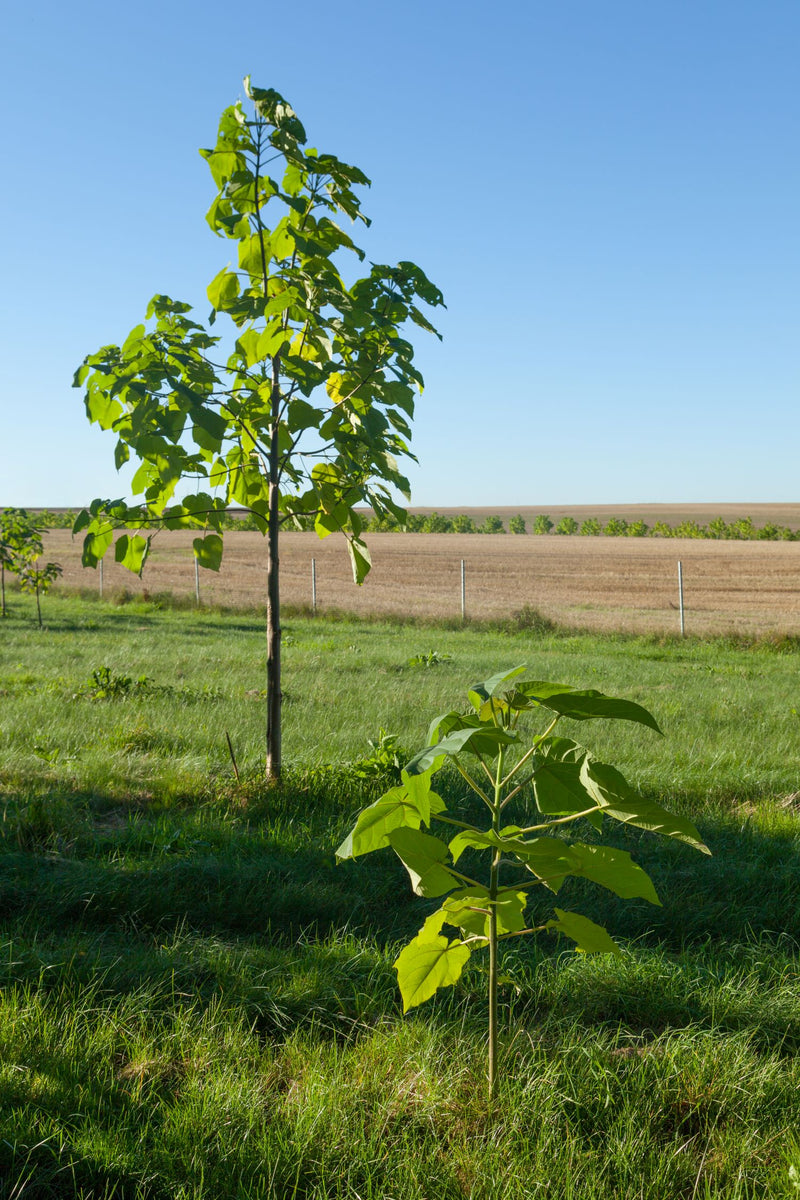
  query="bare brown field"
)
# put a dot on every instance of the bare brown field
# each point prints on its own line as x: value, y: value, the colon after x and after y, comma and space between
x: 626, y: 584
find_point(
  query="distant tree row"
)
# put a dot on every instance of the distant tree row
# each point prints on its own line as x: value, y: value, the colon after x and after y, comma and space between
x: 742, y: 530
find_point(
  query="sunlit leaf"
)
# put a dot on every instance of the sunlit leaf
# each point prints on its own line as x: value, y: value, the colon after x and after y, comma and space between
x: 424, y: 858
x: 208, y: 551
x: 425, y: 966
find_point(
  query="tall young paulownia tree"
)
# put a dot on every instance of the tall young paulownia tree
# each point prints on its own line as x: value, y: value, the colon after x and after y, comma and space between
x: 303, y: 419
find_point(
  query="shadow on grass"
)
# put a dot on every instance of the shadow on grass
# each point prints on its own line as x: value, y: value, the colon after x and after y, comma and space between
x: 251, y: 907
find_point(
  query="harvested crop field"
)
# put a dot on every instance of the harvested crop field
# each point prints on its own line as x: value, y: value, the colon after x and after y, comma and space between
x: 627, y: 584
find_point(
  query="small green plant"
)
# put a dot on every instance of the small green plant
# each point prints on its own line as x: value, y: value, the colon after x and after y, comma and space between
x: 615, y: 527
x: 492, y: 525
x: 386, y: 759
x: 517, y: 524
x: 638, y: 529
x: 689, y: 529
x: 500, y: 765
x: 542, y: 523
x: 567, y: 525
x: 20, y: 543
x: 37, y: 580
x: 530, y: 620
x: 464, y: 524
x: 590, y: 527
x: 105, y: 684
x: 432, y: 659
x: 436, y: 523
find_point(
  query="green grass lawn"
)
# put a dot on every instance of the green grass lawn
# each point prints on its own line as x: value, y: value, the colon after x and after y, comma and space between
x: 196, y: 1002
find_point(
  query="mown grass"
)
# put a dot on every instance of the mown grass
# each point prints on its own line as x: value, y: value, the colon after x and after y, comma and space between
x: 196, y: 1002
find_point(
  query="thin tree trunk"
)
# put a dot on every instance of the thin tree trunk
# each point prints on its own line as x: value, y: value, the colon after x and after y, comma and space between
x: 494, y: 885
x: 38, y: 605
x: 3, y: 589
x: 274, y: 695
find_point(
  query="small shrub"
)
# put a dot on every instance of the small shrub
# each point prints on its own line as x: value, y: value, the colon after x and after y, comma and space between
x: 638, y: 529
x: 493, y: 525
x: 742, y: 530
x: 590, y: 527
x: 432, y: 659
x: 567, y: 526
x: 529, y: 620
x: 542, y: 523
x: 415, y: 523
x: 464, y: 524
x: 517, y: 524
x: 615, y: 527
x: 385, y: 760
x: 661, y: 529
x: 435, y: 523
x: 105, y: 684
x: 689, y: 529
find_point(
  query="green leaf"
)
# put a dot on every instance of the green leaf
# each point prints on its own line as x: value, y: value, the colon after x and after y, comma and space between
x: 586, y: 705
x: 247, y: 344
x: 208, y: 428
x: 425, y: 966
x: 224, y: 288
x: 96, y: 542
x: 621, y: 802
x: 375, y: 823
x: 420, y: 794
x: 471, y: 733
x: 423, y: 856
x: 558, y: 789
x: 132, y: 552
x: 492, y: 686
x: 303, y: 415
x: 469, y: 909
x: 613, y: 869
x: 409, y: 804
x: 133, y: 339
x: 270, y: 341
x: 208, y: 551
x: 549, y: 859
x: 359, y: 559
x: 589, y: 937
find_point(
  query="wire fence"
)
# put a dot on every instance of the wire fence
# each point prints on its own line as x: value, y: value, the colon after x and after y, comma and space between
x: 692, y: 586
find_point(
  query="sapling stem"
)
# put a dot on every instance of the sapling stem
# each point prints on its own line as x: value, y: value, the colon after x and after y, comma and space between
x: 494, y: 882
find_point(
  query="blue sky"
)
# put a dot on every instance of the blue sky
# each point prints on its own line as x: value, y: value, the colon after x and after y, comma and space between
x: 606, y: 192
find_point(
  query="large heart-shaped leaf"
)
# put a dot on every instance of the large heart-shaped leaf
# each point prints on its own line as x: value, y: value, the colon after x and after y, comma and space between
x: 424, y: 966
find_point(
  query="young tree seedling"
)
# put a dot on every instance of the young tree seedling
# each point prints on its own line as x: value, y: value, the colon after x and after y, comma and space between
x: 513, y: 774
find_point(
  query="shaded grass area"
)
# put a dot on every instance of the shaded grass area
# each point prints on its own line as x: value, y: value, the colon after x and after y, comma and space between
x: 196, y: 1002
